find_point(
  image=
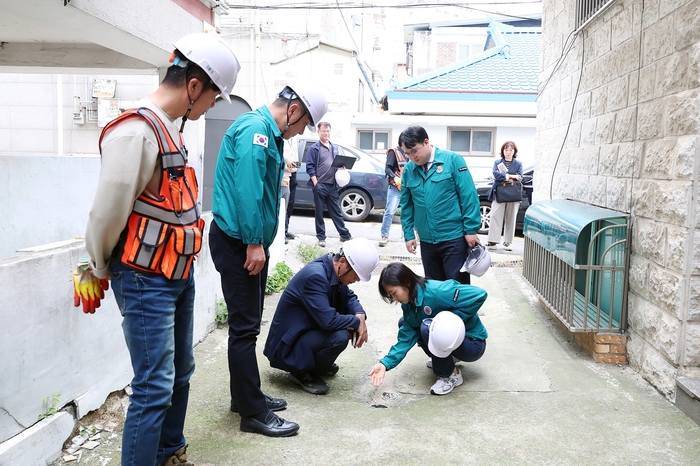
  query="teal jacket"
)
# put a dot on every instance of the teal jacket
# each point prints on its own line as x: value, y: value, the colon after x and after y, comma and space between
x: 442, y: 204
x: 248, y: 179
x: 436, y: 297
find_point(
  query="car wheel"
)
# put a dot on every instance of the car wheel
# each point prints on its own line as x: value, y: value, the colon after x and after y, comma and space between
x: 485, y: 210
x: 355, y: 205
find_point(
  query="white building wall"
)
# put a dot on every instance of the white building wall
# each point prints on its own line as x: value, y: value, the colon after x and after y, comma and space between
x: 48, y: 193
x: 332, y: 70
x: 83, y: 358
x: 632, y: 146
x: 522, y: 131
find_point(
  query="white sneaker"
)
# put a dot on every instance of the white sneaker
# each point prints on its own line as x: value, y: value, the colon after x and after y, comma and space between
x: 429, y: 362
x: 508, y: 246
x: 444, y: 385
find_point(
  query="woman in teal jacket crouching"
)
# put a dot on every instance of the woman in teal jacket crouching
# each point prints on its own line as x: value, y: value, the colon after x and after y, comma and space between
x: 421, y: 300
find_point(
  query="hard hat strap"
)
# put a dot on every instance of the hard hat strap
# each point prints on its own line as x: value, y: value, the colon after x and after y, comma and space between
x: 187, y: 113
x: 338, y: 256
x: 290, y: 96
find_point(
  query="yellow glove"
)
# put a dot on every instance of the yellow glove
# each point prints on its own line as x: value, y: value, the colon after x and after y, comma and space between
x: 87, y: 288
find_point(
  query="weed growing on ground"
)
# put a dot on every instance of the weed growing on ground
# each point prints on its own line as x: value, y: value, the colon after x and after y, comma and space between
x: 309, y: 252
x: 279, y: 278
x: 221, y: 313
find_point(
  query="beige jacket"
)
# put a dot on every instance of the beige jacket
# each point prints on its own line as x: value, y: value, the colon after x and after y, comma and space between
x: 130, y: 166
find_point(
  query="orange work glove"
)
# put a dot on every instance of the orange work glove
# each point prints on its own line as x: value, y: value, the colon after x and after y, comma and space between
x: 88, y: 288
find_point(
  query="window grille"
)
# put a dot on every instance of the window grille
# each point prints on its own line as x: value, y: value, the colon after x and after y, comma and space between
x: 587, y: 9
x: 470, y: 141
x: 373, y: 141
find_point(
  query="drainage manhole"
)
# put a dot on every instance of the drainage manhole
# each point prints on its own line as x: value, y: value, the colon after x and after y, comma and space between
x: 389, y: 396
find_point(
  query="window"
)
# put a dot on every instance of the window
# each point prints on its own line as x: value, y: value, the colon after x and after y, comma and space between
x: 463, y: 52
x: 586, y: 9
x: 471, y: 141
x: 374, y: 141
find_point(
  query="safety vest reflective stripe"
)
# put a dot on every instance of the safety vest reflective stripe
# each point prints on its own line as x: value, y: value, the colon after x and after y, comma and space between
x: 172, y: 156
x: 165, y: 142
x: 187, y: 217
x: 151, y: 235
x: 173, y: 160
x: 188, y: 246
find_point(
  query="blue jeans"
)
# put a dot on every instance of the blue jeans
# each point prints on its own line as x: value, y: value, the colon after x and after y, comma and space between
x: 469, y: 351
x: 158, y: 321
x: 393, y: 196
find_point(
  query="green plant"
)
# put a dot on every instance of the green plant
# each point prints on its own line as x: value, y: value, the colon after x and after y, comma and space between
x: 51, y: 403
x: 221, y: 313
x: 279, y: 278
x: 309, y: 252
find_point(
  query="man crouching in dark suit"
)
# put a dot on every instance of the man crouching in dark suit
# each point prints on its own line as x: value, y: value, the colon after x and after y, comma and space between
x: 317, y: 315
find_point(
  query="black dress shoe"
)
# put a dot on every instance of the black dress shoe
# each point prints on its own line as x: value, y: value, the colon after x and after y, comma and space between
x: 332, y: 371
x: 273, y: 404
x: 309, y: 382
x: 274, y: 426
x: 289, y: 236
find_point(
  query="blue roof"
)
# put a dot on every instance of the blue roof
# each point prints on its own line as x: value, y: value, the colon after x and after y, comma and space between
x: 511, y: 65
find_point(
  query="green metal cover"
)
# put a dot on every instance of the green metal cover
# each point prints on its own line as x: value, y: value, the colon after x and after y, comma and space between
x: 556, y: 225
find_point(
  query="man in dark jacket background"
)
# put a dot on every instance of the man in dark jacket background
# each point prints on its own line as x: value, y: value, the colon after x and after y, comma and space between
x: 319, y: 159
x: 317, y: 315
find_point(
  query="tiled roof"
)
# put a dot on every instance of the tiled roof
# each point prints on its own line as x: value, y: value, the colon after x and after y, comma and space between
x: 512, y: 65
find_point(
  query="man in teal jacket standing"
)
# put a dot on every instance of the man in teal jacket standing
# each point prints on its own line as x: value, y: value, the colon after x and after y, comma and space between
x: 439, y: 200
x: 246, y: 203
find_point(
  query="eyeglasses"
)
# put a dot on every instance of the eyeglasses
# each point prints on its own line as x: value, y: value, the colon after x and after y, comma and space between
x: 414, y: 151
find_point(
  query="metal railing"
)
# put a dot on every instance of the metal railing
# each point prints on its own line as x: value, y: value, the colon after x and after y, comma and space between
x: 586, y: 10
x: 588, y: 297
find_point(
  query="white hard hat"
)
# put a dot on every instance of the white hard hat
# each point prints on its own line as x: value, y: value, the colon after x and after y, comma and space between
x: 446, y: 334
x: 362, y: 257
x: 342, y: 177
x: 312, y: 98
x: 477, y: 262
x: 215, y: 57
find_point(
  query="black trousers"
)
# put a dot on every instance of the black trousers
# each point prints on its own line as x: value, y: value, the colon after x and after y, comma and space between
x: 324, y: 346
x: 327, y: 195
x: 443, y: 260
x: 292, y: 199
x: 244, y: 296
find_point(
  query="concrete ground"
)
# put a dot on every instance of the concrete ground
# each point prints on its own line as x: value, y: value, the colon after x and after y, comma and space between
x: 534, y: 398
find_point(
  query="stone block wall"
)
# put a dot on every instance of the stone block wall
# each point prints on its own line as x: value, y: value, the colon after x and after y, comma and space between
x: 618, y: 127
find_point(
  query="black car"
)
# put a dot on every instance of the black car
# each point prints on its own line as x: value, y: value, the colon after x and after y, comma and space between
x: 365, y: 191
x: 483, y: 187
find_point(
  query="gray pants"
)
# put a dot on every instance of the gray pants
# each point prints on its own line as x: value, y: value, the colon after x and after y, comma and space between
x: 503, y: 212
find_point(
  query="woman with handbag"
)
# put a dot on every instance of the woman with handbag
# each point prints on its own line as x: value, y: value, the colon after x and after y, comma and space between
x: 505, y: 196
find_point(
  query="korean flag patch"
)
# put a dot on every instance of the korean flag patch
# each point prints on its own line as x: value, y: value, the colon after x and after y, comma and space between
x: 260, y: 140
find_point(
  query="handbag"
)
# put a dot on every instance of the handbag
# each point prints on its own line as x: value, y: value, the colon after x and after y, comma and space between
x: 509, y: 191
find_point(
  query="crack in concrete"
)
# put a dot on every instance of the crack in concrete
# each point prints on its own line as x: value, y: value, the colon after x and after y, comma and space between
x: 13, y: 418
